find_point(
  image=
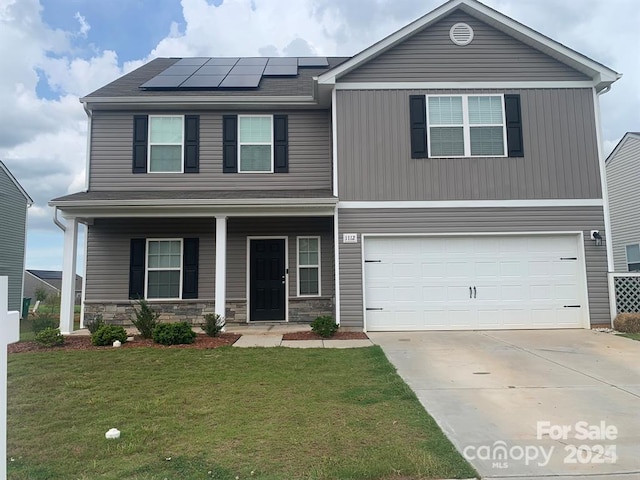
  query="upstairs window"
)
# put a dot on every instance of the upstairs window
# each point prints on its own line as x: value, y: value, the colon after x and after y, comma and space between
x: 255, y: 142
x: 166, y: 147
x: 466, y: 126
x: 633, y: 258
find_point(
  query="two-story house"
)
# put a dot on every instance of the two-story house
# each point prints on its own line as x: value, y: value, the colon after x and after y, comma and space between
x: 14, y: 203
x: 447, y: 177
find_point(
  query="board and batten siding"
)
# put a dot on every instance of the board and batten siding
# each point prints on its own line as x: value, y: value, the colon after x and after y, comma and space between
x: 13, y: 217
x: 238, y: 229
x: 108, y: 250
x: 623, y: 183
x: 107, y: 272
x: 475, y: 220
x: 560, y: 151
x: 309, y: 156
x: 430, y: 55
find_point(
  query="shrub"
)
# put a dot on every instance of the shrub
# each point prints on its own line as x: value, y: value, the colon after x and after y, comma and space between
x: 107, y: 334
x: 94, y: 324
x: 43, y: 321
x: 173, y: 333
x: 324, y: 326
x: 213, y: 324
x: 146, y: 319
x: 49, y: 337
x: 627, y: 323
x: 40, y: 294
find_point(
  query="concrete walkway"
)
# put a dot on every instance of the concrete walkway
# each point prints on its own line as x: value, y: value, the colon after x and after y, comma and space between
x: 560, y: 404
x: 269, y: 340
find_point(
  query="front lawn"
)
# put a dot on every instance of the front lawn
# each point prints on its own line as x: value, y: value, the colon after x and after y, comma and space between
x: 227, y: 413
x: 633, y: 336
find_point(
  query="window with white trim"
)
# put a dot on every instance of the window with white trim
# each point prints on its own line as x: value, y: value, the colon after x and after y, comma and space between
x: 308, y: 266
x: 166, y: 143
x: 164, y: 269
x: 633, y: 258
x: 255, y: 143
x: 466, y: 126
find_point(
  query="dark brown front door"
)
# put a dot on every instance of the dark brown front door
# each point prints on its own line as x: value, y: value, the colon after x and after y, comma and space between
x: 267, y: 280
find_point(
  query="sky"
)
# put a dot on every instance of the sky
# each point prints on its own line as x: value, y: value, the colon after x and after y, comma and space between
x: 56, y: 51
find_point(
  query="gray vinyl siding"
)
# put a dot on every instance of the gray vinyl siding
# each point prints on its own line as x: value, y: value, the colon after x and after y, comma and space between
x: 108, y: 250
x: 13, y: 217
x: 623, y: 174
x: 476, y: 220
x: 430, y: 55
x: 107, y: 272
x: 309, y: 156
x: 238, y: 229
x: 560, y: 151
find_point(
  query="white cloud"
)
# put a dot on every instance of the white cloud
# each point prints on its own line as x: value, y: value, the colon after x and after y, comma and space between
x: 84, y: 25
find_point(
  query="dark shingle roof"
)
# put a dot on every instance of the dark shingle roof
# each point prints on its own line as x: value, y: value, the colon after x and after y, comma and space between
x: 123, y: 195
x: 129, y: 84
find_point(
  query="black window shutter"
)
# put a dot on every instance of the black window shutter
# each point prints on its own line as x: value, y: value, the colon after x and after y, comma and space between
x: 136, y: 268
x: 513, y: 116
x: 229, y: 143
x: 191, y: 143
x: 190, y: 268
x: 140, y: 129
x: 280, y: 144
x: 418, y: 121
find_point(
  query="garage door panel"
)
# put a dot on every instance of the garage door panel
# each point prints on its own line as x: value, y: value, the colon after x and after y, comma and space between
x: 521, y: 282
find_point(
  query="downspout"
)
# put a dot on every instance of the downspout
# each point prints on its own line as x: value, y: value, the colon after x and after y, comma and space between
x: 89, y: 125
x: 56, y: 221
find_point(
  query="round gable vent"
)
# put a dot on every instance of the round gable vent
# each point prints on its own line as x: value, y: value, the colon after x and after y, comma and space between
x: 461, y: 34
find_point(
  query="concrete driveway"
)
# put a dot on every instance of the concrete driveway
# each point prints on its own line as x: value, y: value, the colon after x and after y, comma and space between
x: 529, y: 404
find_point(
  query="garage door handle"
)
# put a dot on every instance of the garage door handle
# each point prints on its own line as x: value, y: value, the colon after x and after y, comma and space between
x: 374, y: 309
x: 474, y: 292
x: 572, y: 306
x: 470, y: 293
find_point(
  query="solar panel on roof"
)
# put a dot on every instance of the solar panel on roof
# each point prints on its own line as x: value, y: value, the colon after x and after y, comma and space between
x: 214, y: 70
x: 277, y: 70
x: 202, y: 81
x: 165, y: 81
x: 191, y: 61
x: 282, y: 61
x: 253, y: 61
x: 313, y: 62
x: 241, y: 81
x: 247, y: 70
x: 180, y: 70
x: 223, y: 61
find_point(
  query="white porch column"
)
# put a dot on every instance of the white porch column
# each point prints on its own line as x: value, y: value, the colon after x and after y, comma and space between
x: 68, y: 291
x: 221, y: 265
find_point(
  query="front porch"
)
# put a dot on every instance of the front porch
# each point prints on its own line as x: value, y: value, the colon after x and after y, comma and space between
x: 264, y: 263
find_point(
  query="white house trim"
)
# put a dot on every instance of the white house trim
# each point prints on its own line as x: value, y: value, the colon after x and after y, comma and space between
x: 68, y: 290
x: 460, y: 85
x: 334, y: 138
x: 578, y: 202
x: 221, y: 266
x: 601, y: 75
x: 336, y: 261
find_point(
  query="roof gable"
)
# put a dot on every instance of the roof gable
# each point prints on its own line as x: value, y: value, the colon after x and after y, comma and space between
x: 601, y: 76
x: 629, y: 137
x: 3, y: 168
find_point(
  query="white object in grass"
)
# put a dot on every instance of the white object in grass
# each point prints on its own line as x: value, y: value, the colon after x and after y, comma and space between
x: 117, y: 343
x: 113, y: 433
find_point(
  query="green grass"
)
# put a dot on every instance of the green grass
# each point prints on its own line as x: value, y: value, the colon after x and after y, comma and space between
x: 26, y: 327
x: 279, y: 413
x: 633, y: 336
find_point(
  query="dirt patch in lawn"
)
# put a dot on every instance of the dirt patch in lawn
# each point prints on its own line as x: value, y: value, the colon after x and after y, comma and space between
x: 314, y: 336
x: 84, y: 343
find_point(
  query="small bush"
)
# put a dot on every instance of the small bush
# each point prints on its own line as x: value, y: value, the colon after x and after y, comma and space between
x: 213, y: 324
x: 627, y: 323
x: 324, y: 326
x: 146, y: 319
x: 94, y: 324
x: 49, y: 337
x: 107, y: 334
x: 42, y: 322
x: 173, y: 333
x: 40, y: 294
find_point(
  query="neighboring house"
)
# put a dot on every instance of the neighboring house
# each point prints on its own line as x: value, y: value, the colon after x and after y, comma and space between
x: 623, y: 182
x: 447, y: 177
x: 50, y: 281
x: 14, y: 202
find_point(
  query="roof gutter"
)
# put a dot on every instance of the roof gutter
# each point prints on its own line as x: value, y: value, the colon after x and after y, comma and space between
x: 198, y: 99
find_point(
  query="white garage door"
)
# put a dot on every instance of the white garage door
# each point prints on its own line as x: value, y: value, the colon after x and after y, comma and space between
x: 468, y: 283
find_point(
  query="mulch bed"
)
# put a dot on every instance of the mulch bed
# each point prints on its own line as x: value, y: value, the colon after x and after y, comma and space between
x: 84, y: 343
x: 314, y: 336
